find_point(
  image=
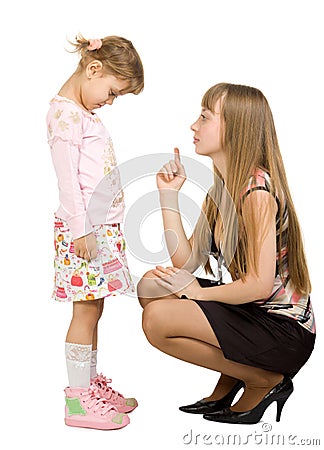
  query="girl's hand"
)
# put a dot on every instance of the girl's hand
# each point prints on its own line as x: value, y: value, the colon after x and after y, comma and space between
x: 172, y: 175
x: 86, y: 247
x: 178, y: 281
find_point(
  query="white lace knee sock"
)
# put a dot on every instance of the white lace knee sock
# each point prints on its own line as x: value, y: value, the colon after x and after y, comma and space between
x: 78, y: 361
x: 93, y: 368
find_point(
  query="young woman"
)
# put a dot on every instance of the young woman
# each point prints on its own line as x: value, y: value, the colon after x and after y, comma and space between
x: 259, y: 329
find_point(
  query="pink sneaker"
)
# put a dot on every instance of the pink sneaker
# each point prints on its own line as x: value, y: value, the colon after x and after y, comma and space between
x: 124, y: 405
x: 86, y: 408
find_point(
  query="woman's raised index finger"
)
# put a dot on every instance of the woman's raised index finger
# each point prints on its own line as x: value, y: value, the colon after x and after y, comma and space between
x: 176, y: 154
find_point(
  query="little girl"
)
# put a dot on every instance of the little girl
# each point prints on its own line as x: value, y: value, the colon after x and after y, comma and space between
x: 90, y: 262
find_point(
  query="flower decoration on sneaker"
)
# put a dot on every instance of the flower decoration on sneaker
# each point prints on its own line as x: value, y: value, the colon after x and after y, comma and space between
x: 124, y: 405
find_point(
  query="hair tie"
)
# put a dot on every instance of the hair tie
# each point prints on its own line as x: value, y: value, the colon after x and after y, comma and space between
x: 94, y: 44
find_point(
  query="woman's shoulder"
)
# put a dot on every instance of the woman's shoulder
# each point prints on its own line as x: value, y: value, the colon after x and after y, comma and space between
x: 258, y: 180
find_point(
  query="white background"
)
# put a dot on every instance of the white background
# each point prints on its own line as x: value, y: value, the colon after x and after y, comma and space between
x: 186, y: 46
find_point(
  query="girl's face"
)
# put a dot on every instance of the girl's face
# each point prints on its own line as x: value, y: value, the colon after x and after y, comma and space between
x: 100, y: 89
x: 207, y: 129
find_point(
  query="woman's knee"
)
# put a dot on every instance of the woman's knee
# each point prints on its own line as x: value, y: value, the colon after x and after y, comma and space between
x: 145, y: 288
x: 148, y: 290
x: 153, y: 323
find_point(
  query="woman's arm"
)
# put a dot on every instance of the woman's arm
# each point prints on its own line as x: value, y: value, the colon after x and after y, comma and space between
x: 178, y: 244
x: 169, y: 181
x: 257, y: 285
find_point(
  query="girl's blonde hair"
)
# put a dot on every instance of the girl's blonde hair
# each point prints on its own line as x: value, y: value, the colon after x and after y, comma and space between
x: 250, y: 142
x: 118, y: 57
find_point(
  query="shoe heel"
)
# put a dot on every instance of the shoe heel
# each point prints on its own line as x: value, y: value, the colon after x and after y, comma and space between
x: 280, y: 405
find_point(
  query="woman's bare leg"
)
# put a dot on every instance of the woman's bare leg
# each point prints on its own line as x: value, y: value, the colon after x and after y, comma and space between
x: 180, y: 329
x: 148, y: 290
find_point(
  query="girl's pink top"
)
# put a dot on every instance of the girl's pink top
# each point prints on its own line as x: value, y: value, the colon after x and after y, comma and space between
x: 89, y: 183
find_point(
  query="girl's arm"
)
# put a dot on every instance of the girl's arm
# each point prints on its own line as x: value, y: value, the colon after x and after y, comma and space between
x: 65, y: 156
x: 169, y: 181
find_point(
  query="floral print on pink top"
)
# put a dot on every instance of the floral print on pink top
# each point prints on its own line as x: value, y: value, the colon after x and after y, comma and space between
x: 90, y: 191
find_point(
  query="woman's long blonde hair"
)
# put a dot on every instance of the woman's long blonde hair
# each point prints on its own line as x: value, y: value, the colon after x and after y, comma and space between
x: 250, y: 142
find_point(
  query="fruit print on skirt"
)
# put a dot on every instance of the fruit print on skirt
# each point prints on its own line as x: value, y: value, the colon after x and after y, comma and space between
x: 76, y: 279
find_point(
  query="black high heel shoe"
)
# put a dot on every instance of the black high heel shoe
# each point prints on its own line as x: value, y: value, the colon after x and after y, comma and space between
x: 279, y: 394
x: 205, y: 407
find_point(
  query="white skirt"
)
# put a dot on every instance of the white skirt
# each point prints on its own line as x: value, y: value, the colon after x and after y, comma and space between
x: 76, y: 279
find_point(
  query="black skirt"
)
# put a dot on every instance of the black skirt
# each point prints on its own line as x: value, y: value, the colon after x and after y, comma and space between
x: 249, y: 335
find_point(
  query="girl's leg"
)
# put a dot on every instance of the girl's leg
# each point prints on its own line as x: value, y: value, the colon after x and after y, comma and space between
x: 93, y: 370
x: 78, y: 344
x: 83, y: 323
x: 180, y: 329
x: 100, y: 308
x: 125, y: 405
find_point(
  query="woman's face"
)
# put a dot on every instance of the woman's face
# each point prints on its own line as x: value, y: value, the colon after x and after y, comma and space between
x: 207, y: 129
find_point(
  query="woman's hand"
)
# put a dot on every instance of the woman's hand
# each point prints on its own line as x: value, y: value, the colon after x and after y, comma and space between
x: 86, y: 247
x: 178, y: 281
x: 172, y: 175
